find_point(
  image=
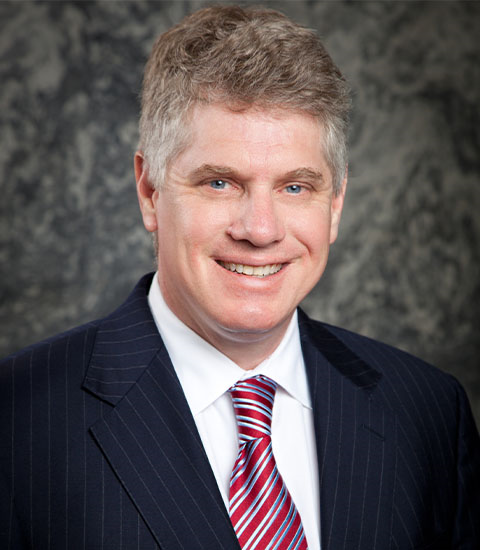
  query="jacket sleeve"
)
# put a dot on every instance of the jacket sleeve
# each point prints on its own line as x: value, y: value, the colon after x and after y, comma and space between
x: 11, y: 537
x: 466, y: 532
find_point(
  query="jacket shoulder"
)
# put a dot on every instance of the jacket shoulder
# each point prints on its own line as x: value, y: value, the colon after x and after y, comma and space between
x: 402, y: 381
x: 67, y: 338
x: 383, y: 357
x: 81, y: 337
x: 65, y: 354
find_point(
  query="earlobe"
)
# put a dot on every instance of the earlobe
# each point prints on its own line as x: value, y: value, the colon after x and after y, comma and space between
x: 145, y: 193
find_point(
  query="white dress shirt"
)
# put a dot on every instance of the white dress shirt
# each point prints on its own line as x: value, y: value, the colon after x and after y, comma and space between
x: 206, y: 374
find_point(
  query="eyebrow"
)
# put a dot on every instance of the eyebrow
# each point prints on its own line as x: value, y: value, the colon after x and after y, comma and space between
x: 305, y: 174
x: 212, y: 170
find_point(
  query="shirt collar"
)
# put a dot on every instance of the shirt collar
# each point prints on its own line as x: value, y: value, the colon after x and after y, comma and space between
x: 206, y: 374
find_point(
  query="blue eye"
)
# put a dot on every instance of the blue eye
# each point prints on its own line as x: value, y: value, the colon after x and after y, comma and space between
x: 294, y: 189
x: 218, y: 184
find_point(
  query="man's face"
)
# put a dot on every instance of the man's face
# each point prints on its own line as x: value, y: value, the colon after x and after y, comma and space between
x: 244, y: 221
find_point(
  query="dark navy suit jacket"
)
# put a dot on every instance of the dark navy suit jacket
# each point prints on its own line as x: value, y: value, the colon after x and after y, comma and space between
x: 99, y: 449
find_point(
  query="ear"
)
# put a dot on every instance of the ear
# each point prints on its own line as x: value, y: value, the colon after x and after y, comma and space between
x: 146, y: 193
x: 336, y: 209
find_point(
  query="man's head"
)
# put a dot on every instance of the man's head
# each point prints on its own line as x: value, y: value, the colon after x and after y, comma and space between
x: 242, y: 172
x: 239, y: 57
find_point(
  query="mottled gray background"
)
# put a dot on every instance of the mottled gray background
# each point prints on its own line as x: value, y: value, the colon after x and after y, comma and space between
x: 405, y: 269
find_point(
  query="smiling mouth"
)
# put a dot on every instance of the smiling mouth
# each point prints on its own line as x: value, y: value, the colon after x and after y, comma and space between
x: 252, y: 270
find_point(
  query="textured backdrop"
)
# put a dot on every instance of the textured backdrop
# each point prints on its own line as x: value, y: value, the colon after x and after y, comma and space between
x: 406, y: 268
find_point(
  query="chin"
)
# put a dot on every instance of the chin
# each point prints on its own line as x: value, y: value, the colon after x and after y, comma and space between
x: 251, y: 323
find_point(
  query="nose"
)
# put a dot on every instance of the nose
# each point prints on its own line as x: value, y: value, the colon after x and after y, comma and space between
x: 257, y: 220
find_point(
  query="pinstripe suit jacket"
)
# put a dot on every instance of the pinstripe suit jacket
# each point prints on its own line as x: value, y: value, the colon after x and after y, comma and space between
x: 99, y: 449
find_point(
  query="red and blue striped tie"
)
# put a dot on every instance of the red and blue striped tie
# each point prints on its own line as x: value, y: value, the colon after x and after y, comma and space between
x: 262, y: 511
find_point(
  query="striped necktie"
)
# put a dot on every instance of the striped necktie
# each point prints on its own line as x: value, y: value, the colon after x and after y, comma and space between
x: 262, y: 511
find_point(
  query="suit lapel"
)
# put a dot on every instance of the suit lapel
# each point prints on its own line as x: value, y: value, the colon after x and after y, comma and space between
x: 149, y: 437
x: 355, y: 443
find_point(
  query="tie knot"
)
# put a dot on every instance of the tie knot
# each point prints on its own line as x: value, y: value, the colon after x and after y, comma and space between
x: 253, y: 402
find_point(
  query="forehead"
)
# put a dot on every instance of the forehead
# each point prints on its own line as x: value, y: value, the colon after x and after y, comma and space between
x: 253, y: 139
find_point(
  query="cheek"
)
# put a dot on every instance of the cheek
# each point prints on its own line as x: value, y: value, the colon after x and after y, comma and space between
x: 194, y: 230
x: 175, y: 222
x: 313, y: 230
x: 205, y: 222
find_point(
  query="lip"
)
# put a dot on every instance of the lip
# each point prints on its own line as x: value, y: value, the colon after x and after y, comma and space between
x: 250, y: 261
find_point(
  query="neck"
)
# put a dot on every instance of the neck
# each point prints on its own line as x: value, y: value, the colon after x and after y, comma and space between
x: 247, y: 350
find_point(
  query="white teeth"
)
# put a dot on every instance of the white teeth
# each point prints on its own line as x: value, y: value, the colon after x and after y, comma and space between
x: 256, y: 271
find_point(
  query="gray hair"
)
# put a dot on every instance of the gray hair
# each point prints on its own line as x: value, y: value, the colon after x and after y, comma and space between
x: 240, y: 57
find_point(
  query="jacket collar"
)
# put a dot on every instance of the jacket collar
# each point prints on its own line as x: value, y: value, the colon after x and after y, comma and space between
x: 126, y: 342
x: 317, y: 338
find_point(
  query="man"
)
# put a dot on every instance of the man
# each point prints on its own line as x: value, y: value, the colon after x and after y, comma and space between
x: 135, y: 431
